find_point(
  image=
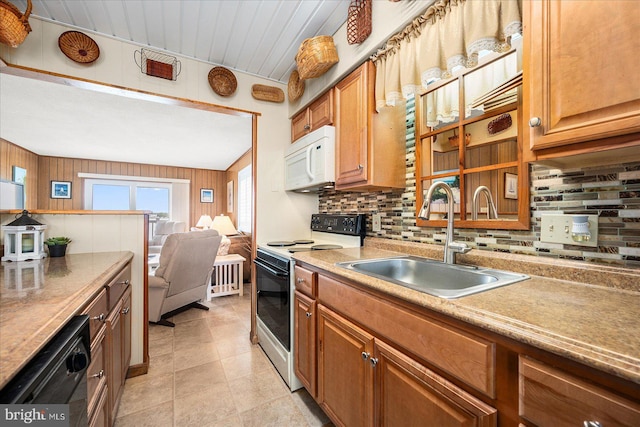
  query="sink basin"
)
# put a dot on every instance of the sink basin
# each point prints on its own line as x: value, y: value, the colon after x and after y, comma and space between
x: 434, y: 277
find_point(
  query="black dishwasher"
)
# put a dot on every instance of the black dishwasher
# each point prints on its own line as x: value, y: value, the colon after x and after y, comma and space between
x: 57, y: 374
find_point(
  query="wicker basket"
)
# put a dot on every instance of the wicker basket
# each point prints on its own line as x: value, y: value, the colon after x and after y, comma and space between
x: 14, y: 26
x: 358, y: 21
x: 78, y: 47
x: 267, y: 93
x: 222, y: 81
x: 315, y: 56
x: 295, y: 89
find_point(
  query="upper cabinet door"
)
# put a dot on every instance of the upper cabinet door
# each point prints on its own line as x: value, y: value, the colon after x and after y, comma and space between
x: 580, y: 71
x: 352, y: 123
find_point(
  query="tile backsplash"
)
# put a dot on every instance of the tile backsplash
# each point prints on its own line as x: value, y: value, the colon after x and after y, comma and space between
x: 611, y: 192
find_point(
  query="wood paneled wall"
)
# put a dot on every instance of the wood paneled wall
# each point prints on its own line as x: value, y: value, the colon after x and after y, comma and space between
x: 14, y: 155
x: 66, y: 169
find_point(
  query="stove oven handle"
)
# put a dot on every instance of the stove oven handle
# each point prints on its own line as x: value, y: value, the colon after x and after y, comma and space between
x: 269, y: 269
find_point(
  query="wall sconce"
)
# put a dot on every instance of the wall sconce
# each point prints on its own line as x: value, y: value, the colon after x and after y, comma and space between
x: 23, y: 239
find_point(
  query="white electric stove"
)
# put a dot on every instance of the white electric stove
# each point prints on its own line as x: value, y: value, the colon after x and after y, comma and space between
x: 276, y: 287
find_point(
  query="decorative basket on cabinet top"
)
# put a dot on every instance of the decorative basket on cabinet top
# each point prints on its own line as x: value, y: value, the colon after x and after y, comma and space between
x: 315, y: 56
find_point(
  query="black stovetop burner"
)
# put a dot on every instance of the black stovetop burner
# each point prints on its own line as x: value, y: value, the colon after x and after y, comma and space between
x: 315, y: 248
x: 281, y: 243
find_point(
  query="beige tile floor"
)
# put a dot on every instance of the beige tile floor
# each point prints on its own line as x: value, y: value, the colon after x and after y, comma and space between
x: 205, y: 372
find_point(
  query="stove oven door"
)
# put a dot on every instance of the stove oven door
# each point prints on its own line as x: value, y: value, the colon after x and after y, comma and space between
x: 274, y: 300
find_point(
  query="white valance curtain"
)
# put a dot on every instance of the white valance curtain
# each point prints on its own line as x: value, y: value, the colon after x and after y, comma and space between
x: 450, y: 33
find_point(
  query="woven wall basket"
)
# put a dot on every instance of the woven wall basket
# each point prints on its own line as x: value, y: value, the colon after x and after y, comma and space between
x: 14, y: 25
x: 358, y: 21
x: 78, y: 47
x: 222, y: 81
x: 295, y: 88
x: 315, y: 56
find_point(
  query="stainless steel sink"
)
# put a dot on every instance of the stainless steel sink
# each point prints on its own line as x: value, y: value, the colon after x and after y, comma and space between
x: 434, y: 277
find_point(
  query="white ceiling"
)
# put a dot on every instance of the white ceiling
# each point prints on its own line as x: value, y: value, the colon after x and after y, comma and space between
x: 259, y: 37
x: 58, y: 120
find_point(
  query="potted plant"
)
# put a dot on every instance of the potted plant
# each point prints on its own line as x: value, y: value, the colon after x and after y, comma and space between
x: 57, y: 246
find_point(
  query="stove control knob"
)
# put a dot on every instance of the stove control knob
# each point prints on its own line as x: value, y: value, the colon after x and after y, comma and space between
x: 77, y: 361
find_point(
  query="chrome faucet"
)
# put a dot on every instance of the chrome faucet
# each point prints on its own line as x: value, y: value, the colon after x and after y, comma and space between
x: 492, y: 212
x: 451, y: 248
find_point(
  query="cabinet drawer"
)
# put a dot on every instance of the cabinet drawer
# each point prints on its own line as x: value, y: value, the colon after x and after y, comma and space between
x: 461, y: 354
x: 549, y: 396
x: 97, y: 311
x: 96, y: 373
x: 117, y: 286
x: 306, y: 281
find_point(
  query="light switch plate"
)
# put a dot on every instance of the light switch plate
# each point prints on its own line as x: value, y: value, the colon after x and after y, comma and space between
x: 376, y: 222
x: 557, y: 229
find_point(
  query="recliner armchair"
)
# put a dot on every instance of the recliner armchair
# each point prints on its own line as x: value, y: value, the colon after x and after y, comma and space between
x: 181, y: 279
x: 161, y: 231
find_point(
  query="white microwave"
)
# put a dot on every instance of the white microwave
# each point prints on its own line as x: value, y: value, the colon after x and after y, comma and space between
x: 309, y: 163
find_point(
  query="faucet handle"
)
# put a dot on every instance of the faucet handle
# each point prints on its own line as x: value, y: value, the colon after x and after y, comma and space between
x: 459, y: 247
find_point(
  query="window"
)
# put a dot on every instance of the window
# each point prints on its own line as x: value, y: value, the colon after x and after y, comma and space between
x: 103, y: 194
x: 244, y: 199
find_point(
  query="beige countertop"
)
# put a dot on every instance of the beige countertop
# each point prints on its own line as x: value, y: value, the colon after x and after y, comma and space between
x: 38, y: 297
x: 595, y: 323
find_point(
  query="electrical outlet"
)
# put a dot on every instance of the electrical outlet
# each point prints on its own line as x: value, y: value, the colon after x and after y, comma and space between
x: 376, y: 222
x: 558, y: 229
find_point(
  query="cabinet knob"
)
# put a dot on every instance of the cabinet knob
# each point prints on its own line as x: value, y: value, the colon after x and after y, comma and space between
x: 592, y: 424
x: 360, y: 167
x: 307, y: 313
x: 307, y: 127
x: 99, y: 374
x: 100, y: 318
x: 300, y: 280
x: 365, y: 355
x: 534, y: 122
x: 125, y: 282
x: 373, y: 362
x: 126, y: 310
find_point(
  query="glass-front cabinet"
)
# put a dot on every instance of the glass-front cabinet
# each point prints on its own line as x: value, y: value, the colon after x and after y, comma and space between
x: 469, y: 137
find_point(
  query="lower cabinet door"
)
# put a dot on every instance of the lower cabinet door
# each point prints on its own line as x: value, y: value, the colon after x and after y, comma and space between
x: 345, y: 376
x: 409, y: 394
x: 126, y: 333
x: 100, y: 416
x: 114, y: 373
x: 305, y: 341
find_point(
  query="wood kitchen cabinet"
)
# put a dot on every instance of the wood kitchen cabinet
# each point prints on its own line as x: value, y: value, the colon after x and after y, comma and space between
x: 382, y: 361
x: 364, y: 381
x: 580, y: 71
x: 316, y: 115
x: 119, y: 342
x: 553, y: 397
x: 370, y: 146
x: 345, y: 377
x: 305, y: 339
x: 110, y: 329
x: 406, y: 391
